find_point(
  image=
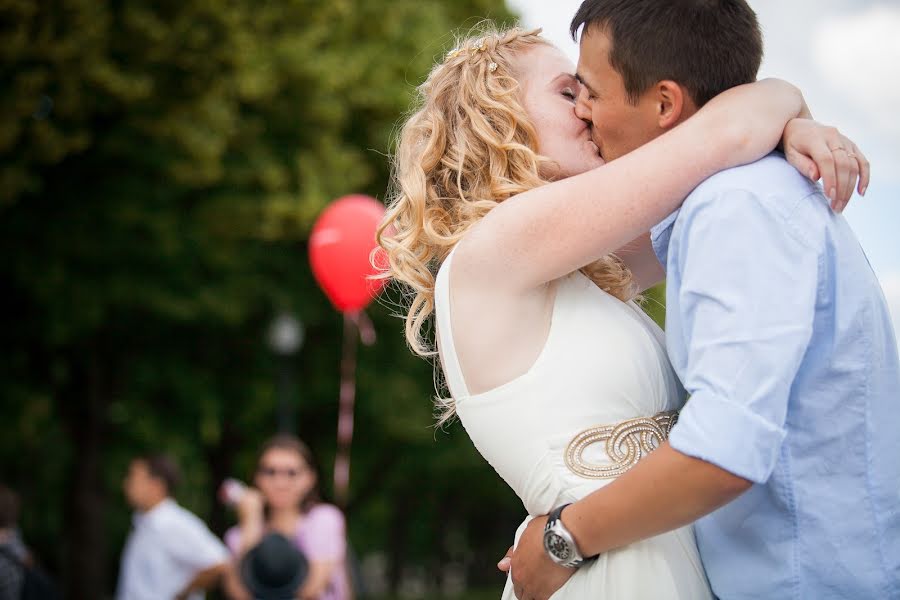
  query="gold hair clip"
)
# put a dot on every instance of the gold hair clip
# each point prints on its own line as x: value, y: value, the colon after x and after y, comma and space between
x: 480, y: 45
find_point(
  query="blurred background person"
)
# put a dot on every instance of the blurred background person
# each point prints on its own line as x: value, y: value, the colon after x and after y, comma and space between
x: 13, y: 553
x: 286, y: 500
x: 19, y: 575
x: 170, y: 553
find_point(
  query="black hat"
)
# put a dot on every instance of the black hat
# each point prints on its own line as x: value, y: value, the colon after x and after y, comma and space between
x: 274, y: 568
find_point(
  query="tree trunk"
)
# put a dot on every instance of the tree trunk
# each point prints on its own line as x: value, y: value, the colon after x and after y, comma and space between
x: 397, y: 548
x: 83, y: 406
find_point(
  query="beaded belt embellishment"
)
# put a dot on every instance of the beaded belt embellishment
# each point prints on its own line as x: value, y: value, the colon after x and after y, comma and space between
x: 626, y: 443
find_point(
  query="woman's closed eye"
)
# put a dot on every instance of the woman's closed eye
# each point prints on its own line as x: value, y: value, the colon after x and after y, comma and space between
x: 570, y: 93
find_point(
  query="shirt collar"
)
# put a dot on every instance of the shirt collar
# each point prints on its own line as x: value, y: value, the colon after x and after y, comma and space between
x: 660, y: 235
x: 145, y: 518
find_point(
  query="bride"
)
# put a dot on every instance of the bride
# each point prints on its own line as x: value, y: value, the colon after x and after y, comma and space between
x: 528, y: 252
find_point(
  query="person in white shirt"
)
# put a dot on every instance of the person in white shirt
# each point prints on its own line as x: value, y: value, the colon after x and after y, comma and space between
x: 170, y: 553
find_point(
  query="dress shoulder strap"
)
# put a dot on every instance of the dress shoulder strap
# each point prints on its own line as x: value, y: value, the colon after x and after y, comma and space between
x: 447, y: 349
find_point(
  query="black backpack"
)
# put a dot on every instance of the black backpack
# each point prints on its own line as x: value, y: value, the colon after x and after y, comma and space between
x: 36, y: 585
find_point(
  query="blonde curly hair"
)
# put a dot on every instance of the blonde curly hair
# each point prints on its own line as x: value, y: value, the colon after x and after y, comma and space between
x: 467, y: 146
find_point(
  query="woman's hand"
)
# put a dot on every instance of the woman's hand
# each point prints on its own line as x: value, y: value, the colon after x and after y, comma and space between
x: 317, y: 579
x: 251, y: 516
x: 251, y: 505
x: 823, y: 152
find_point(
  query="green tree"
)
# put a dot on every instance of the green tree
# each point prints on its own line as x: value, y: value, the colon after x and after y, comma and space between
x: 161, y: 163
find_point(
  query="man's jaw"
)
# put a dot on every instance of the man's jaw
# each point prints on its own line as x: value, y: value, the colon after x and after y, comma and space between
x: 596, y: 143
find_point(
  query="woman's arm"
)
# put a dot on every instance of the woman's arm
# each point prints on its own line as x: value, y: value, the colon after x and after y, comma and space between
x: 251, y: 517
x: 327, y: 548
x: 807, y: 146
x: 822, y: 152
x: 558, y: 228
x: 317, y: 581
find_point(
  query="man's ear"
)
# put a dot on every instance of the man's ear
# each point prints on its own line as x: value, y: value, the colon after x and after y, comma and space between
x: 672, y: 104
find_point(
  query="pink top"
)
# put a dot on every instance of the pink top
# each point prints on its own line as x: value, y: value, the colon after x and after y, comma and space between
x: 321, y: 536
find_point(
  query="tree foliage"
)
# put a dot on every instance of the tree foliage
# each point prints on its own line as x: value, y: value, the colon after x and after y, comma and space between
x: 161, y: 163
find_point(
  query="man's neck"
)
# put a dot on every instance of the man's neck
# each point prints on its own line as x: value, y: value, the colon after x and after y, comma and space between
x: 153, y: 504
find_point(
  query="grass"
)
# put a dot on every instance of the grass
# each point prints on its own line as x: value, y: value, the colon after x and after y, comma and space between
x: 480, y: 594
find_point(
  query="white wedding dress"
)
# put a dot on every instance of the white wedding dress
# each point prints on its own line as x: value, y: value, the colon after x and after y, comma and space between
x: 604, y: 364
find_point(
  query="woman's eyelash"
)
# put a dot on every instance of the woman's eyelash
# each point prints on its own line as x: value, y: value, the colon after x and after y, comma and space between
x: 568, y: 93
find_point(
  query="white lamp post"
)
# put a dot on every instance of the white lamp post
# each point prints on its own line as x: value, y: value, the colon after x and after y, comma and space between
x: 285, y: 339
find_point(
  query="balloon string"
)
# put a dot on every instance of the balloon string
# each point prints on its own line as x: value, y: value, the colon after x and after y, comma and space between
x: 345, y: 410
x: 365, y: 326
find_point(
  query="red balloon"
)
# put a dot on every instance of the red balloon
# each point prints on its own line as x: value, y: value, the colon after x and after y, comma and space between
x: 340, y: 247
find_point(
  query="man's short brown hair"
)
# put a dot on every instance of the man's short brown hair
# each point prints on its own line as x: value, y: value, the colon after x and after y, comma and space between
x: 164, y: 468
x: 706, y: 46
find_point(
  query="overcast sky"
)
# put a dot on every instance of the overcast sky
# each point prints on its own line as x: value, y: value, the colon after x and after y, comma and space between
x: 843, y: 54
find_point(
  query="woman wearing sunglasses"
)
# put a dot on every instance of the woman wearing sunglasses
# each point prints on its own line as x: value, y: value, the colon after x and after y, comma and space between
x: 285, y: 499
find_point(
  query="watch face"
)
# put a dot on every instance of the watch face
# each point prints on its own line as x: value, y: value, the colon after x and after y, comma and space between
x: 557, y: 546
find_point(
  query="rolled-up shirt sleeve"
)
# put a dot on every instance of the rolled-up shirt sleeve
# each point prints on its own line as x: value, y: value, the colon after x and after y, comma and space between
x: 746, y: 307
x: 193, y: 545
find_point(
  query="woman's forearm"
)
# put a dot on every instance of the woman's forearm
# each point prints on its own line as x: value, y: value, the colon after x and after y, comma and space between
x: 751, y: 118
x: 557, y: 228
x: 318, y: 579
x: 251, y: 533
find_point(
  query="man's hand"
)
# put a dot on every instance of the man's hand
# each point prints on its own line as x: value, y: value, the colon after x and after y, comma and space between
x: 506, y: 561
x: 204, y: 580
x: 534, y: 575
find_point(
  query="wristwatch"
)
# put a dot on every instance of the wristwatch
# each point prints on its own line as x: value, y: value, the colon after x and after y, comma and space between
x: 559, y: 543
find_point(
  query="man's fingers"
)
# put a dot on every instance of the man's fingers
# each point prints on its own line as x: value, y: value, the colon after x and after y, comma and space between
x: 504, y: 564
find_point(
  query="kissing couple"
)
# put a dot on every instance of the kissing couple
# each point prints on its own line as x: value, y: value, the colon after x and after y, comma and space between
x: 751, y: 451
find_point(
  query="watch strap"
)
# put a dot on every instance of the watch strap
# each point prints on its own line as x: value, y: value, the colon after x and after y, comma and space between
x: 554, y: 515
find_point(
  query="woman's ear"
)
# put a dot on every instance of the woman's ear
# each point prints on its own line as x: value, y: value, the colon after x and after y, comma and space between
x: 671, y: 99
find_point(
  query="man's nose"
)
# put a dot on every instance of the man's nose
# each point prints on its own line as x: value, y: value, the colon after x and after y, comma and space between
x: 582, y: 108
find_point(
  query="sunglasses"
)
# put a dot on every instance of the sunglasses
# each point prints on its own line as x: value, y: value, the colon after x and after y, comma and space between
x: 272, y: 472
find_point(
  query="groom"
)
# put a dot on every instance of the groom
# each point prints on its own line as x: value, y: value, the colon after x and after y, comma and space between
x: 788, y: 451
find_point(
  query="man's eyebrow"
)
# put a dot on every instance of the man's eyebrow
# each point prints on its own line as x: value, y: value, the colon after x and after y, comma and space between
x: 581, y: 80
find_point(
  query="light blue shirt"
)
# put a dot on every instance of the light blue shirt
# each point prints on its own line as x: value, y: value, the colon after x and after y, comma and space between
x: 778, y: 329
